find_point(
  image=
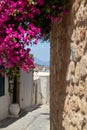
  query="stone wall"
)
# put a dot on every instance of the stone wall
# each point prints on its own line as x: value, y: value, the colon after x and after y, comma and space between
x: 68, y: 80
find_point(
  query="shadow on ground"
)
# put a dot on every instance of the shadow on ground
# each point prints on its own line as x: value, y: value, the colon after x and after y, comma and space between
x: 9, y: 120
x: 45, y: 113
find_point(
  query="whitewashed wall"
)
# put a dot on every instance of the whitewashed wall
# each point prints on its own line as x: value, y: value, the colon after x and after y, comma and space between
x: 4, y: 102
x: 26, y: 89
x: 37, y: 96
x: 43, y: 87
x: 44, y: 81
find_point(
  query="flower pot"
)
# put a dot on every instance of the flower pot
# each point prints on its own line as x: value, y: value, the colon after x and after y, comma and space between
x: 14, y: 109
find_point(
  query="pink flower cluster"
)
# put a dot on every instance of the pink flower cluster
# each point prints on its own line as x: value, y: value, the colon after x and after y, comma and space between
x: 16, y: 32
x: 22, y: 21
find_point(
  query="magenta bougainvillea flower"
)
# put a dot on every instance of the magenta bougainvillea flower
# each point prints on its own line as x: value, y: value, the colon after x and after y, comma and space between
x: 23, y: 22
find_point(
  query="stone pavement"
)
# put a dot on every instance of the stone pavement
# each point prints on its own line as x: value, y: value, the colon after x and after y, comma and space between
x: 37, y: 119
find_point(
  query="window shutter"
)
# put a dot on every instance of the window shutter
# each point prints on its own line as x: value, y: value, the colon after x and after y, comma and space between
x: 2, y: 85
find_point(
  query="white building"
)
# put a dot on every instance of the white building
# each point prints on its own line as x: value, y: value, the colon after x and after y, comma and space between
x: 44, y: 80
x: 41, y: 87
x: 26, y: 89
x: 29, y: 91
x: 24, y: 93
x: 4, y: 98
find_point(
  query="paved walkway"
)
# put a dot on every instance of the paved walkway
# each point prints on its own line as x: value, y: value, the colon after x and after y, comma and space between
x: 36, y: 120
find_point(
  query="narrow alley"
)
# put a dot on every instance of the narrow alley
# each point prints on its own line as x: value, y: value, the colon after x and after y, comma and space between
x: 37, y: 119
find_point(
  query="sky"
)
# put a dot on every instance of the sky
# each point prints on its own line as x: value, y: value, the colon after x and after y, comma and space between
x: 41, y: 51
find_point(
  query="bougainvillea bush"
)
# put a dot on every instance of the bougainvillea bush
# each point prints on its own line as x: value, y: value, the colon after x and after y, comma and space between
x: 23, y: 21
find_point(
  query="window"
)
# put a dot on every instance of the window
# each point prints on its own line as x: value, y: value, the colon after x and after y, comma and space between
x: 2, y: 85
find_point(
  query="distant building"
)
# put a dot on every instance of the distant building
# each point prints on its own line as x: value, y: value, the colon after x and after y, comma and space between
x: 41, y: 68
x: 41, y: 85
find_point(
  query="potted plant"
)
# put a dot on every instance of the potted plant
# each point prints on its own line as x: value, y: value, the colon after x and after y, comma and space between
x: 13, y: 76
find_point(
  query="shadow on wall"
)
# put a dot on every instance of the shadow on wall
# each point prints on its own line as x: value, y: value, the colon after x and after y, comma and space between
x: 36, y: 96
x: 41, y: 88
